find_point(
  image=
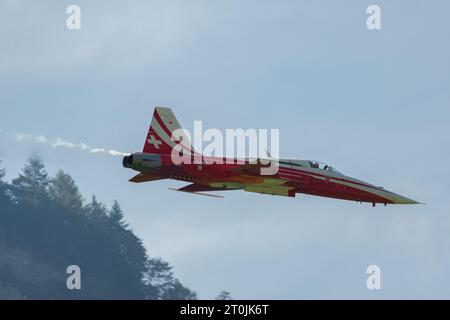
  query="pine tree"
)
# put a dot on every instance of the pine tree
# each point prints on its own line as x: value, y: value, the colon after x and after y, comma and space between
x: 31, y: 185
x: 4, y: 198
x: 224, y: 295
x: 161, y: 283
x: 65, y: 192
x: 96, y: 209
x: 116, y: 215
x: 178, y: 292
x: 2, y: 174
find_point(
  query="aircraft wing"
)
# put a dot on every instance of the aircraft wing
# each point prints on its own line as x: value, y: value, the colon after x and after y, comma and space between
x: 142, y: 177
x: 196, y: 188
x: 271, y: 189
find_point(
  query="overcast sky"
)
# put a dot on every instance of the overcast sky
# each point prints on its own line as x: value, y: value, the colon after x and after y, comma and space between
x: 374, y: 104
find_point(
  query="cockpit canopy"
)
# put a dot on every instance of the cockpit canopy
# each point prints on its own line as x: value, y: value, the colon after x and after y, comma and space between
x: 321, y: 165
x: 312, y: 164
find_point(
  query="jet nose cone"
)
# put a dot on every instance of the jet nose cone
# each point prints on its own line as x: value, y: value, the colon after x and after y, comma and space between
x: 398, y: 199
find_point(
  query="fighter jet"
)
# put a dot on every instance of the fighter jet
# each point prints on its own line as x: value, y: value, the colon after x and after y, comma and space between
x: 155, y: 162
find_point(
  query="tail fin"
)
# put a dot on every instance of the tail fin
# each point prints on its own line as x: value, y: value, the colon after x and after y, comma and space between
x: 165, y: 133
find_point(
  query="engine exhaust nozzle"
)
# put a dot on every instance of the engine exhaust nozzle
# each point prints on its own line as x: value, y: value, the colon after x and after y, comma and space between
x: 127, y: 161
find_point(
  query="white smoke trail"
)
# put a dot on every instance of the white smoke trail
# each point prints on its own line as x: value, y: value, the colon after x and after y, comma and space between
x: 61, y: 143
x: 116, y: 153
x: 29, y: 137
x: 97, y: 150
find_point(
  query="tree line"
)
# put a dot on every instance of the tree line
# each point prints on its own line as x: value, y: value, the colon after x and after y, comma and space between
x: 46, y: 225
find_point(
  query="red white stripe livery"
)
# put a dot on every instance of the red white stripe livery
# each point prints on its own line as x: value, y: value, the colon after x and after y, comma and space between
x: 292, y: 177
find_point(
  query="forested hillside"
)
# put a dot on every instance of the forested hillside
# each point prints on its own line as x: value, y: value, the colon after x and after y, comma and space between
x: 45, y: 226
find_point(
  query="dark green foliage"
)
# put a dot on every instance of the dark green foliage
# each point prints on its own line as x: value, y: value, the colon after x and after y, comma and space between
x: 4, y: 199
x: 161, y: 284
x: 31, y: 185
x: 116, y: 215
x: 224, y: 295
x: 45, y: 227
x: 64, y: 191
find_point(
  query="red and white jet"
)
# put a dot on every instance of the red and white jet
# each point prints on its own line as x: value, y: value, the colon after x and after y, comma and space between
x: 292, y: 177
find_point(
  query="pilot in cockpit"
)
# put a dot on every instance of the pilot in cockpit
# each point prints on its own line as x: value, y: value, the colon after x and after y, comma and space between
x: 315, y: 165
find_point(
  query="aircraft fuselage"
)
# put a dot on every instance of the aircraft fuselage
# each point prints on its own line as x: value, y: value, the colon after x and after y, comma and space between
x: 292, y: 177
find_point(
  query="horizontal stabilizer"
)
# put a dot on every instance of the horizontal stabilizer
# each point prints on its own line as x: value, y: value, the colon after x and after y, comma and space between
x: 143, y: 177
